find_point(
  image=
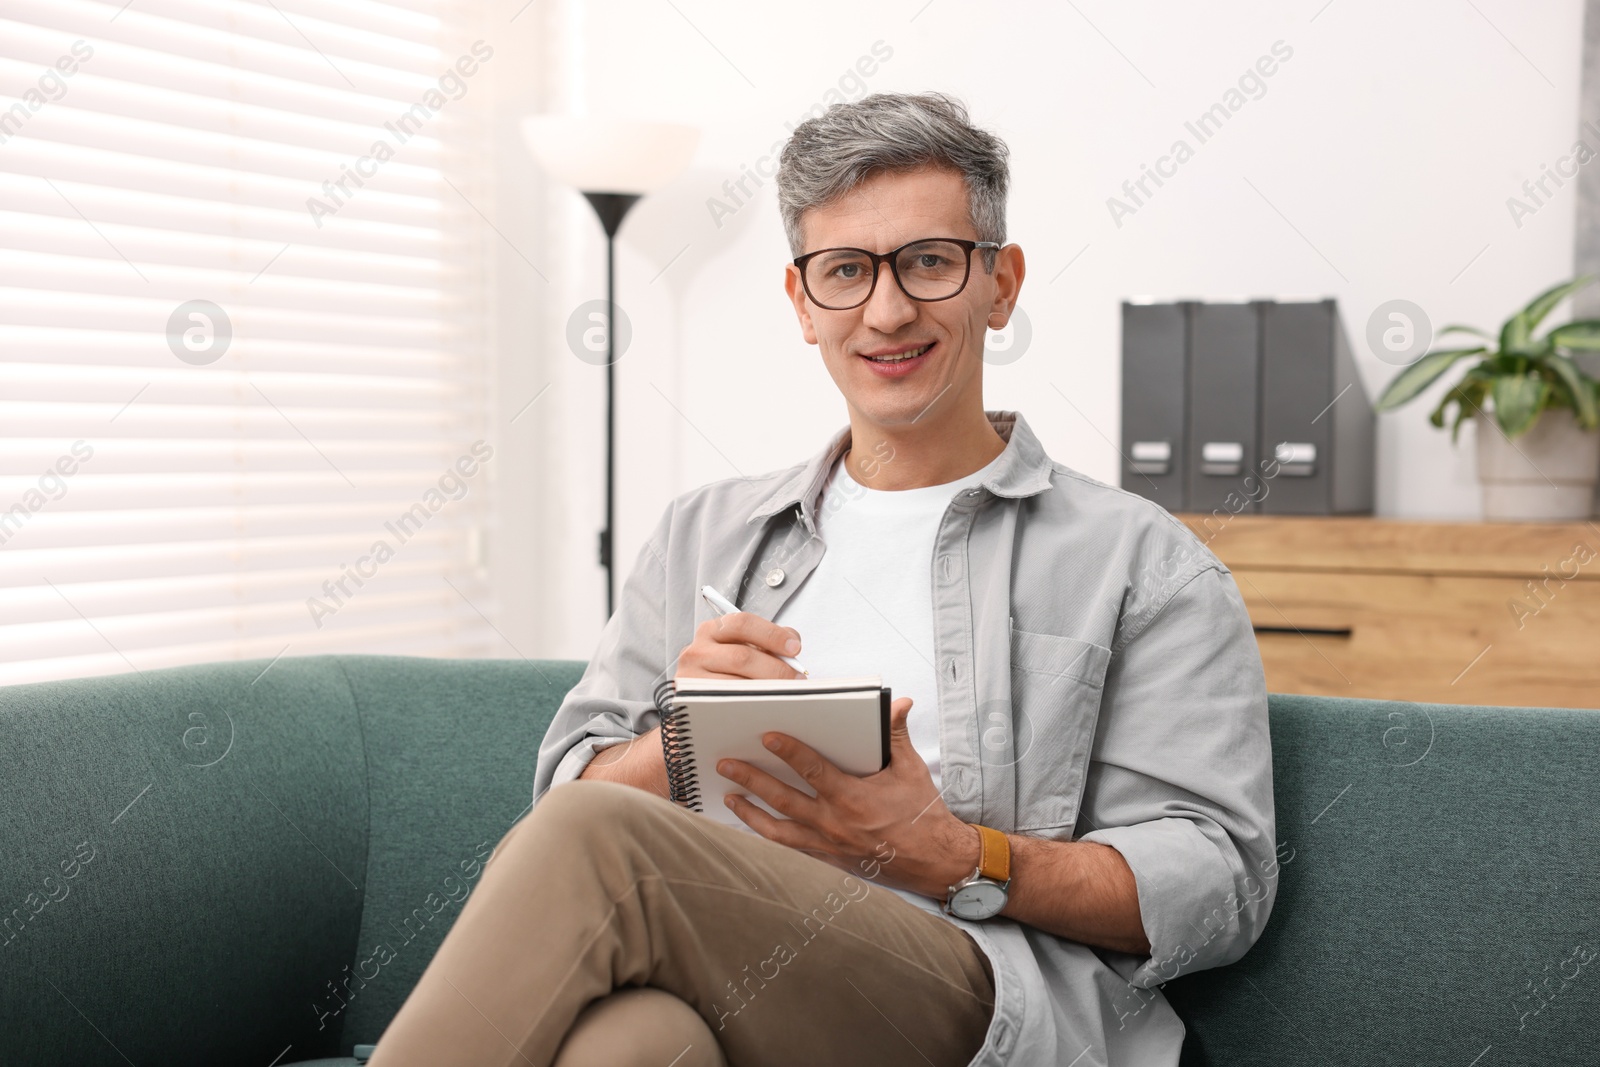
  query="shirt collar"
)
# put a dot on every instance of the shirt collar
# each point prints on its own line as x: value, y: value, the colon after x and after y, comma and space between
x: 1022, y: 469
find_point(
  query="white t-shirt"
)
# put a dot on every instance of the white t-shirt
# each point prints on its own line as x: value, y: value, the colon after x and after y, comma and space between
x: 867, y: 607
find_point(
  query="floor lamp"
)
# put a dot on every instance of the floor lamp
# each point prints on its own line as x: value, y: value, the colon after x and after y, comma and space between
x: 612, y: 162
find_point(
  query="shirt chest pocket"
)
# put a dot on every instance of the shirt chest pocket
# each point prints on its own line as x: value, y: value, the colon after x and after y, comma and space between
x: 1056, y: 684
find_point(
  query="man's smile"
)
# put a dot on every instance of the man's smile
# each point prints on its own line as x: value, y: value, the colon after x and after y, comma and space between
x: 898, y: 361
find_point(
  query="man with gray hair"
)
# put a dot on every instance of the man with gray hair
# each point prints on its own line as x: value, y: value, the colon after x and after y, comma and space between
x: 1078, y: 803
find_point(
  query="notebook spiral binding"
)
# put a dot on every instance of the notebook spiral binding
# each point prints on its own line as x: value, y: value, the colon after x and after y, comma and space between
x: 676, y: 747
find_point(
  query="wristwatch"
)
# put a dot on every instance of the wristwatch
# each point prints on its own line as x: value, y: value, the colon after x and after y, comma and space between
x: 982, y: 894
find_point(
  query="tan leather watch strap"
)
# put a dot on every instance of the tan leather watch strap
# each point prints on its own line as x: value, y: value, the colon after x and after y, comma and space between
x: 994, y: 854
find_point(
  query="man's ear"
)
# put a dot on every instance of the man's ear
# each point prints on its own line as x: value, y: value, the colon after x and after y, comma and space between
x: 797, y: 296
x: 1009, y: 270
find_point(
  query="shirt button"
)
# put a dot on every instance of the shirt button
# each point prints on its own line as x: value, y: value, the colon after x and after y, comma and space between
x: 775, y: 577
x: 971, y: 493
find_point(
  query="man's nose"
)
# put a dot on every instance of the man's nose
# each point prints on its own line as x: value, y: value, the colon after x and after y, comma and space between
x: 889, y: 307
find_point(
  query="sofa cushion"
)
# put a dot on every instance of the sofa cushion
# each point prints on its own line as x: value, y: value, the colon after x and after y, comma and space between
x: 1439, y: 864
x: 183, y: 863
x: 450, y: 748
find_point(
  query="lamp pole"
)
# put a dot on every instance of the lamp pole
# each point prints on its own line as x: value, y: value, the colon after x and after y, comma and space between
x: 613, y: 161
x: 611, y: 208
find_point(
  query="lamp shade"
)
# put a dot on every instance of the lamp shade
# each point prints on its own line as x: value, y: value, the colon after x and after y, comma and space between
x: 610, y: 155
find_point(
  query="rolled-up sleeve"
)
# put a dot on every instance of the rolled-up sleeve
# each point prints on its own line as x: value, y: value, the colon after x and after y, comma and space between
x: 1180, y: 779
x: 614, y: 700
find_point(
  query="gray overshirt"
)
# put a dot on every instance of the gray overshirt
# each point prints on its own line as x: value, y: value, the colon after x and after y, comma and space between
x: 1098, y: 681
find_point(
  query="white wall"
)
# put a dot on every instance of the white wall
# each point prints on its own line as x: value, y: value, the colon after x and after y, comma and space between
x: 1376, y: 166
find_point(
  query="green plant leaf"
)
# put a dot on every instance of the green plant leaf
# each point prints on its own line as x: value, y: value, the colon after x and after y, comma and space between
x: 1546, y: 301
x: 1421, y: 374
x: 1517, y: 402
x: 1515, y: 333
x: 1500, y: 363
x: 1579, y: 393
x: 1436, y: 416
x: 1451, y: 396
x: 1467, y: 395
x: 1581, y: 334
x: 1459, y: 328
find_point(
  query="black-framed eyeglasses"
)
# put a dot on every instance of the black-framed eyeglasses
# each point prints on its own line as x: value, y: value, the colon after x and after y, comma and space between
x: 935, y: 268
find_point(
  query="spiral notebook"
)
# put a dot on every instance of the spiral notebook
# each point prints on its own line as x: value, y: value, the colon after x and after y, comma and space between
x: 704, y: 720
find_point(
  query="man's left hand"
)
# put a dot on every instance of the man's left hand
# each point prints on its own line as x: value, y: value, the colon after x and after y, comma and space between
x: 893, y: 823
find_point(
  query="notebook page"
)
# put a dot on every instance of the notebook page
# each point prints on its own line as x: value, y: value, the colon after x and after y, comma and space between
x: 845, y: 727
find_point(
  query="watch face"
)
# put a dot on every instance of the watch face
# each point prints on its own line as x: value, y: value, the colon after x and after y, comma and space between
x: 980, y: 900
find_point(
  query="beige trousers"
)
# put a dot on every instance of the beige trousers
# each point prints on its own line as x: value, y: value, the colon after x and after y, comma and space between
x: 612, y: 927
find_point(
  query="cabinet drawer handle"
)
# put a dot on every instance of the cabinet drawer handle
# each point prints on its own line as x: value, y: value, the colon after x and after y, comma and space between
x: 1325, y: 631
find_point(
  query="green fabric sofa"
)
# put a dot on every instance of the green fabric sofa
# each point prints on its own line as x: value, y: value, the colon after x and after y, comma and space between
x: 236, y: 865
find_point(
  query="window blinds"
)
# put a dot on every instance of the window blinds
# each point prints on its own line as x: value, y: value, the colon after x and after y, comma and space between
x: 242, y: 376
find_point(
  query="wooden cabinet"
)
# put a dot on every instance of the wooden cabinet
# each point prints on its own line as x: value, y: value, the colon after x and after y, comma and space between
x: 1448, y: 613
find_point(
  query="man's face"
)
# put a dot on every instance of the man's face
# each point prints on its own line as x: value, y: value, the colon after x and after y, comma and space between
x: 883, y: 213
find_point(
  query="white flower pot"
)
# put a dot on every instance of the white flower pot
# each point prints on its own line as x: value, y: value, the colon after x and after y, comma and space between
x: 1544, y: 475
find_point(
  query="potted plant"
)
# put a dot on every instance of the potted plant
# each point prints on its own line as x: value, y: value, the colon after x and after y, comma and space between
x: 1538, y: 446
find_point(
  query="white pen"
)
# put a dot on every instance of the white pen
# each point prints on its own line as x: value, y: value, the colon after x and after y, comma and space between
x: 724, y: 606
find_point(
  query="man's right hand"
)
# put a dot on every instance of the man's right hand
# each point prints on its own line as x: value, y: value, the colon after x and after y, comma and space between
x: 740, y: 645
